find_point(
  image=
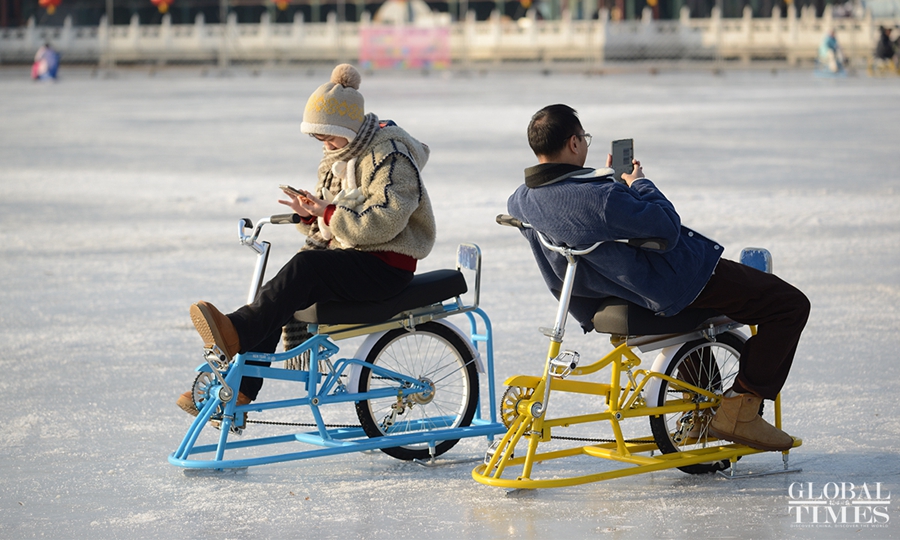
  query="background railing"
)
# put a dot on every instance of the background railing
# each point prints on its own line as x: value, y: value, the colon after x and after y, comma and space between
x: 793, y: 39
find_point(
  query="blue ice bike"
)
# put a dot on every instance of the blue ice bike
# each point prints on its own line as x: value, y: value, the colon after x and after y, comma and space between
x: 413, y: 381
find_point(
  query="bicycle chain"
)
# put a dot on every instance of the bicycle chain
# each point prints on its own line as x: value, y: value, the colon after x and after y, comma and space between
x: 299, y: 424
x: 583, y: 439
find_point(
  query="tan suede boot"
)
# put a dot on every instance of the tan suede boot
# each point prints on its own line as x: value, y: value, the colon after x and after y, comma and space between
x: 186, y: 402
x: 215, y: 328
x: 738, y: 420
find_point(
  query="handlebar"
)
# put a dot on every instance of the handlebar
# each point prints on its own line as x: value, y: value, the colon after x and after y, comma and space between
x: 653, y: 244
x: 261, y: 248
x: 282, y: 219
x: 509, y: 221
x: 250, y: 239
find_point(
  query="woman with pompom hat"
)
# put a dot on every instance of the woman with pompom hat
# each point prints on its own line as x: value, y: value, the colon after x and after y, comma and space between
x: 368, y: 221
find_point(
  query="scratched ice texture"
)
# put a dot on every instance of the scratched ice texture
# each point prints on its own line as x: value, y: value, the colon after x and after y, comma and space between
x: 119, y: 203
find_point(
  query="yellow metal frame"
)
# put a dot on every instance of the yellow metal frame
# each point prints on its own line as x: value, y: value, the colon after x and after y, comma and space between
x: 531, y: 426
x: 881, y: 68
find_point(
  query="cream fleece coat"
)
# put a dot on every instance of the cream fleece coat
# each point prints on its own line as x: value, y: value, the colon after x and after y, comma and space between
x: 391, y: 211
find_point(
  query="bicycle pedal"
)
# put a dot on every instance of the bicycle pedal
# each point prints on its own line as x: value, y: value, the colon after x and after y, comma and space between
x: 563, y: 365
x: 216, y: 355
x: 493, y: 449
x: 235, y: 430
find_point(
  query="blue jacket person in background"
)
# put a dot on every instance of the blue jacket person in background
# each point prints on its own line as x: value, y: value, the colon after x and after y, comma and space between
x: 578, y: 206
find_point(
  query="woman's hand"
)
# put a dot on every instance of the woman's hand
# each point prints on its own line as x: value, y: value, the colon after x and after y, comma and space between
x: 304, y: 203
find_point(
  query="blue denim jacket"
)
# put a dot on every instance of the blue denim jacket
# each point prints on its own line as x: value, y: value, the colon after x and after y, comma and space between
x: 578, y: 207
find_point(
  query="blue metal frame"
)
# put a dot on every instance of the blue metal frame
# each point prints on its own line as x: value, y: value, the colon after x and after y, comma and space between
x: 323, y: 390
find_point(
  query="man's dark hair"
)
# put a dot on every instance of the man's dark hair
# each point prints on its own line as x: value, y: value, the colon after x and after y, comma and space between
x: 551, y: 127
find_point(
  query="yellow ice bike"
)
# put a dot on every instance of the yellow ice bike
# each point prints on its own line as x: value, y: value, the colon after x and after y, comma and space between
x: 698, y: 355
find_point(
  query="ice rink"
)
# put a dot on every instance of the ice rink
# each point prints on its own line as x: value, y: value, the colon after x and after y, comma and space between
x: 119, y: 203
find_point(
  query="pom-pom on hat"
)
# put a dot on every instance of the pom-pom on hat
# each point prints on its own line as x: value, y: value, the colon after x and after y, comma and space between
x: 336, y: 108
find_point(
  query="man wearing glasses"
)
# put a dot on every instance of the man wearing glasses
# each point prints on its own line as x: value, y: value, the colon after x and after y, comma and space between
x: 577, y: 206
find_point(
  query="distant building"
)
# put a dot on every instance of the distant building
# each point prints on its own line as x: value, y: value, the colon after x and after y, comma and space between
x: 15, y: 13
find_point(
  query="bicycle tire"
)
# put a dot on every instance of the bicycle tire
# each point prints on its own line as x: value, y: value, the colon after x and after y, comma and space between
x: 431, y: 352
x: 711, y: 365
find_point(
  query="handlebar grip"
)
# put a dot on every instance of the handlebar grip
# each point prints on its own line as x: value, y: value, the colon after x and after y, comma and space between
x: 281, y: 219
x: 653, y: 244
x: 509, y: 221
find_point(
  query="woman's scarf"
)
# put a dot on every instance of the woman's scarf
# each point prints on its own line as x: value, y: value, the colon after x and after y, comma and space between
x: 328, y: 180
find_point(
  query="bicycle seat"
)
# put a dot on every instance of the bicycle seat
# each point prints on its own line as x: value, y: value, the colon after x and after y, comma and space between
x: 424, y: 290
x: 621, y: 317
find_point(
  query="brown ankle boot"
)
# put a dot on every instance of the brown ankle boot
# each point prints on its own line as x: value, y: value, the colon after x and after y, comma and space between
x: 186, y: 403
x: 215, y: 328
x: 738, y: 420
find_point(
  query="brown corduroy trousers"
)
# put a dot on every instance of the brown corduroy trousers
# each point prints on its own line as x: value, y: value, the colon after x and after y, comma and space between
x: 777, y: 308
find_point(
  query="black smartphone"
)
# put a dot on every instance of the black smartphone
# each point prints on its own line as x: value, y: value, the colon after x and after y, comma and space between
x: 622, y: 157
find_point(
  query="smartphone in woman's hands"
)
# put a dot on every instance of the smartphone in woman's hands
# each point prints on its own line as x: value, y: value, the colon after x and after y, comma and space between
x: 299, y: 193
x: 292, y: 190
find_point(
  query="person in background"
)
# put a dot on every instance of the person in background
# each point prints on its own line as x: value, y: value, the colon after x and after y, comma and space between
x: 368, y: 221
x: 46, y: 64
x: 884, y: 49
x: 830, y: 54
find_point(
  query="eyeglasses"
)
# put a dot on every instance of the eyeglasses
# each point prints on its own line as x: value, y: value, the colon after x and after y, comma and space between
x: 322, y: 138
x: 587, y: 139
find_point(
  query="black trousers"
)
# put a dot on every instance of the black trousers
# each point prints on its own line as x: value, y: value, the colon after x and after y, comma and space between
x: 778, y: 309
x: 311, y: 277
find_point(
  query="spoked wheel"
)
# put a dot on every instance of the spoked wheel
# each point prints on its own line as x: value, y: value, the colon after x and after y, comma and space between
x: 435, y: 355
x: 711, y: 365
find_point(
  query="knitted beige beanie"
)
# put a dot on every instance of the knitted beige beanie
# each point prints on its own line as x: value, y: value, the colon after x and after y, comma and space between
x: 336, y: 108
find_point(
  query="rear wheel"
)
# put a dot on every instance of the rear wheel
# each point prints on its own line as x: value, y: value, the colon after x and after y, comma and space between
x: 711, y: 365
x: 435, y: 355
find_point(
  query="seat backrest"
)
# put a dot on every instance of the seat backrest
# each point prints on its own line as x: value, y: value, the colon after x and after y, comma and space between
x: 758, y: 258
x: 468, y: 261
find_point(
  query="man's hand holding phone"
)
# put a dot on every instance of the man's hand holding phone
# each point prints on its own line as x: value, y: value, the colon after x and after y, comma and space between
x: 621, y: 159
x: 636, y: 174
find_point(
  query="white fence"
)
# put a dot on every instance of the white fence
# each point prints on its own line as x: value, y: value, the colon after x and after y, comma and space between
x: 792, y: 39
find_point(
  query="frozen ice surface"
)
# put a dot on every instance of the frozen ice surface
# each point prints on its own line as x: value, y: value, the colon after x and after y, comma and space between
x: 119, y: 201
